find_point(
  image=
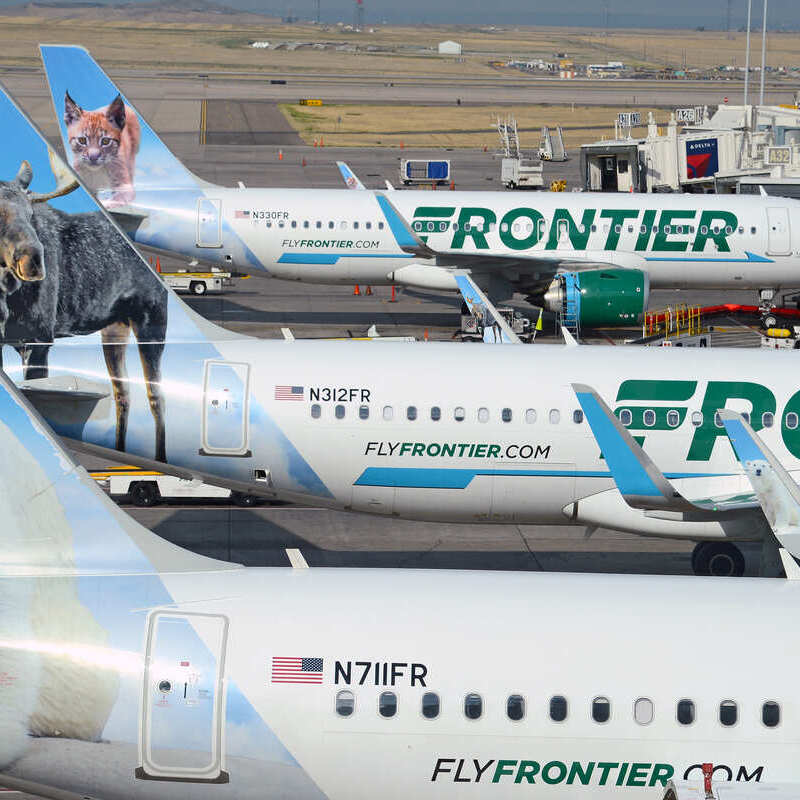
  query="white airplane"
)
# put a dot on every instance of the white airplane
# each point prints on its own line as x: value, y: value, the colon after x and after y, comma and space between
x: 430, y: 431
x: 593, y: 258
x: 130, y: 668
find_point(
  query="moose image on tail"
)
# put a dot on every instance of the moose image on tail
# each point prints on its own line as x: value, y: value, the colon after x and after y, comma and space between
x: 72, y: 274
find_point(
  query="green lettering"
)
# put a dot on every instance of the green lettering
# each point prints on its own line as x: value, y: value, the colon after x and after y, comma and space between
x: 791, y: 436
x: 434, y: 449
x: 644, y: 235
x: 578, y: 236
x: 718, y: 393
x: 710, y: 220
x: 418, y: 450
x: 661, y: 242
x: 493, y: 451
x: 656, y: 390
x: 461, y: 448
x: 404, y: 448
x: 583, y: 774
x: 527, y: 769
x: 621, y: 776
x: 480, y: 451
x: 638, y: 775
x: 605, y: 767
x: 561, y: 769
x: 448, y: 449
x: 661, y: 774
x: 617, y: 217
x: 477, y: 232
x: 504, y: 767
x: 507, y: 234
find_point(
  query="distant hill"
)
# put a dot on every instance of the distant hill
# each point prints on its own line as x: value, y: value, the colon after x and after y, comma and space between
x: 189, y: 11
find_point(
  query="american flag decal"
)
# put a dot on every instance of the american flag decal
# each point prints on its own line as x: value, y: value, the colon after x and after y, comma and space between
x: 241, y: 215
x: 296, y: 669
x: 288, y: 392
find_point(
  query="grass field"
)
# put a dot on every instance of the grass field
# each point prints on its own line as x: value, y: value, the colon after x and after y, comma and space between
x: 223, y: 44
x: 449, y: 126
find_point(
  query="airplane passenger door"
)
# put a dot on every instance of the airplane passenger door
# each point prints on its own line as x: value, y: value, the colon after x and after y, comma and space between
x: 209, y: 222
x: 226, y: 409
x: 779, y: 241
x: 183, y: 702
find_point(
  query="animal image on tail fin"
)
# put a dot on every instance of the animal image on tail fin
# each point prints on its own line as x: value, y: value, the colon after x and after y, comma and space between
x: 104, y: 144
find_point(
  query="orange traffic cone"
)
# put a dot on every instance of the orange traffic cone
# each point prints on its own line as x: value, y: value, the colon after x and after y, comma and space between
x: 280, y: 155
x: 426, y: 334
x: 452, y: 186
x: 369, y: 291
x: 158, y: 264
x: 356, y: 291
x: 394, y: 299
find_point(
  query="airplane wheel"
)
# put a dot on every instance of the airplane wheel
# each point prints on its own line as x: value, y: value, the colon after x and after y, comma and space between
x: 718, y: 559
x: 244, y: 500
x: 197, y: 287
x: 769, y: 321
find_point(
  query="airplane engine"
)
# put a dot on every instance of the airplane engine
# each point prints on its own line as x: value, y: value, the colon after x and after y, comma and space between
x: 599, y: 297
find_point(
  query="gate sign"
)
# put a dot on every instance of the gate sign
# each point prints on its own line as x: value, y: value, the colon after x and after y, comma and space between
x: 629, y: 119
x: 702, y: 160
x: 685, y: 115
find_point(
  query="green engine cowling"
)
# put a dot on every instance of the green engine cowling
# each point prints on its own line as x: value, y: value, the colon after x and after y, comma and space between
x: 599, y: 297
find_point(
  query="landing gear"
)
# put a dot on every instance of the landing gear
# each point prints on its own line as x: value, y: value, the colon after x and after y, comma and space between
x: 718, y: 559
x: 766, y: 307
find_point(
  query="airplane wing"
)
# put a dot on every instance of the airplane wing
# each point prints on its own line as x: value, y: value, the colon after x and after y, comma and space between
x: 775, y: 489
x: 545, y: 264
x: 351, y: 180
x: 495, y: 328
x: 640, y: 482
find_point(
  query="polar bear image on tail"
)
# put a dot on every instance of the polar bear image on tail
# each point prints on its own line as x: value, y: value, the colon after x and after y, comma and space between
x: 48, y: 687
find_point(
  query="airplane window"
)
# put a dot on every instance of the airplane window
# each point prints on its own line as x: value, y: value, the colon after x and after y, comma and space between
x: 558, y: 708
x: 601, y: 709
x: 436, y: 413
x: 369, y: 226
x: 727, y: 713
x: 387, y: 704
x: 643, y: 229
x: 455, y: 226
x: 516, y: 227
x: 363, y: 412
x: 331, y: 224
x: 728, y: 230
x: 606, y: 228
x: 555, y: 416
x: 625, y: 416
x: 505, y: 415
x: 791, y: 420
x: 418, y: 226
x: 715, y: 229
x: 380, y: 226
x: 655, y: 229
x: 411, y: 413
x: 673, y: 418
x: 319, y: 224
x: 630, y: 228
x: 741, y: 229
x: 667, y: 229
x: 388, y: 413
x: 753, y: 230
x: 643, y: 711
x: 345, y: 703
x: 577, y: 416
x: 717, y: 419
x: 582, y: 228
x: 691, y: 229
x: 767, y: 419
x: 294, y: 223
x: 316, y: 411
x: 649, y: 417
x: 458, y: 414
x: 618, y: 229
x: 430, y: 226
x: 269, y: 224
x: 339, y: 412
x: 685, y: 712
x: 594, y: 228
x: 430, y: 705
x: 305, y: 223
x: 483, y: 415
x: 745, y: 416
x: 771, y: 714
x: 697, y: 418
x: 467, y: 226
x: 281, y: 223
x: 530, y: 416
x: 473, y: 706
x: 515, y: 707
x: 504, y: 227
x: 679, y: 229
x: 355, y: 226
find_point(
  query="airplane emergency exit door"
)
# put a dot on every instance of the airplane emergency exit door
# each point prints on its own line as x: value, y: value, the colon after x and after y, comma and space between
x: 209, y: 222
x: 183, y: 710
x: 226, y: 409
x: 779, y: 236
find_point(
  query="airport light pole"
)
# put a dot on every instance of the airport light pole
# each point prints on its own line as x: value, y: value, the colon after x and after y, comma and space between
x: 747, y: 52
x: 763, y: 54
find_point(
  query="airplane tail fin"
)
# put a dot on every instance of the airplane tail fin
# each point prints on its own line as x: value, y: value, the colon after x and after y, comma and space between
x: 56, y: 520
x: 777, y: 493
x: 98, y: 123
